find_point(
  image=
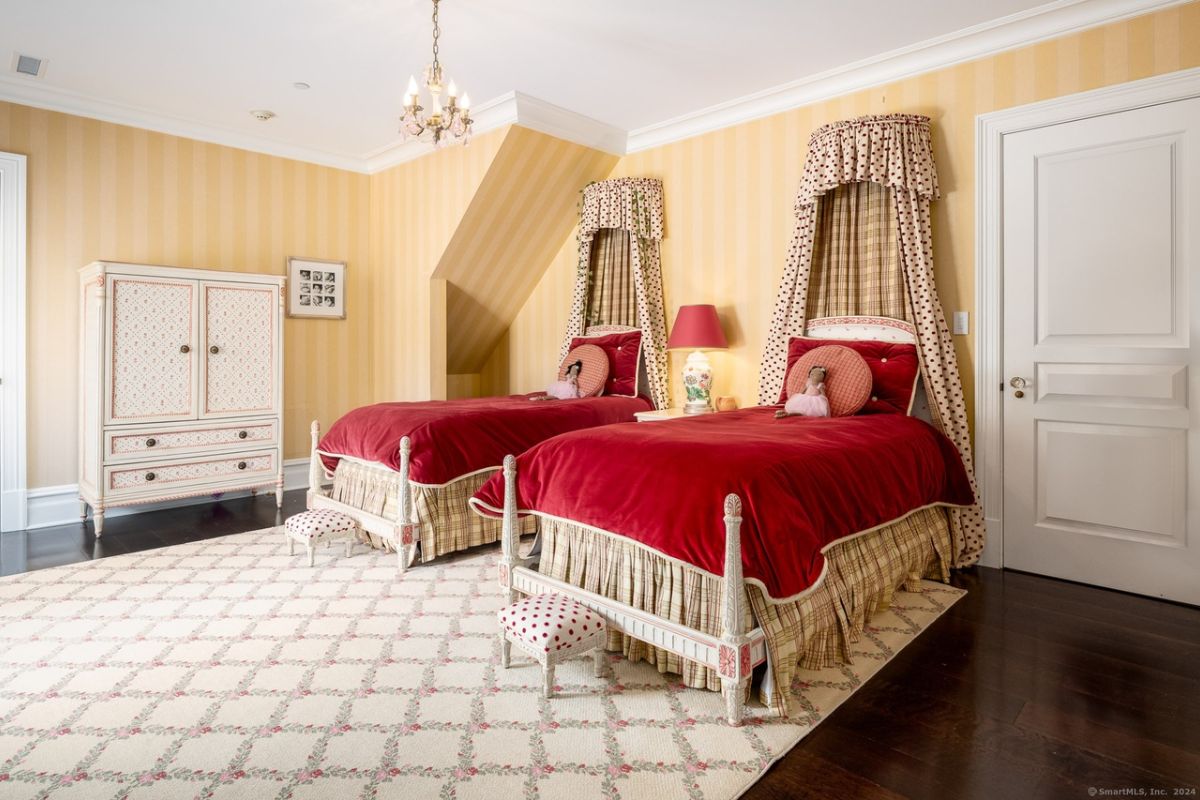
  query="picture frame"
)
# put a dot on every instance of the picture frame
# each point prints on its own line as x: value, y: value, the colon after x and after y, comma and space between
x: 316, y: 288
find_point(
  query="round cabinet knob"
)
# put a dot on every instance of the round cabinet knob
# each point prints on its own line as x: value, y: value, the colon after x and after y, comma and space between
x: 183, y: 348
x: 149, y: 476
x: 241, y: 465
x: 214, y: 349
x: 242, y: 434
x: 151, y: 442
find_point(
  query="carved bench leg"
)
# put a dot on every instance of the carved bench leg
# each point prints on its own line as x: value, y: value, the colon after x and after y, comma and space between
x: 548, y: 681
x: 599, y: 662
x: 312, y: 555
x: 505, y: 651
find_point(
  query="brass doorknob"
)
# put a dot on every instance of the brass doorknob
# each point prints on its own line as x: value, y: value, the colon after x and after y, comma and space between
x: 214, y: 349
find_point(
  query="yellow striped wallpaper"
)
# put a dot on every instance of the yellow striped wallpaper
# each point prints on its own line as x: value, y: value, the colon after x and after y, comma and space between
x: 729, y: 193
x: 415, y: 209
x: 104, y: 191
x: 525, y: 207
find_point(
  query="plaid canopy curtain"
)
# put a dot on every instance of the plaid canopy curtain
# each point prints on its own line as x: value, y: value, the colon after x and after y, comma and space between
x: 631, y: 209
x: 611, y: 298
x: 884, y: 156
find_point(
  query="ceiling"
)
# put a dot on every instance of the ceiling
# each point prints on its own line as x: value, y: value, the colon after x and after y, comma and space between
x: 627, y: 63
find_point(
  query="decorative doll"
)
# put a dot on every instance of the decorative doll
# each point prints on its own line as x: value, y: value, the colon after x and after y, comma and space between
x: 812, y: 402
x: 568, y: 387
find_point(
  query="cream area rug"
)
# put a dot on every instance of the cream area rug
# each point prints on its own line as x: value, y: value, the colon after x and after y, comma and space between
x: 229, y: 669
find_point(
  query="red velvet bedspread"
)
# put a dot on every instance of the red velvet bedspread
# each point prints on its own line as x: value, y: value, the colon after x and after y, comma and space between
x: 804, y: 482
x: 453, y: 438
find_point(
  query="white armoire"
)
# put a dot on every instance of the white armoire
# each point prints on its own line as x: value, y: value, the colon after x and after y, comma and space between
x: 180, y: 384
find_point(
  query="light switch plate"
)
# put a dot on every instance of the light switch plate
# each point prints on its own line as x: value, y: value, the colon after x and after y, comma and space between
x: 961, y: 323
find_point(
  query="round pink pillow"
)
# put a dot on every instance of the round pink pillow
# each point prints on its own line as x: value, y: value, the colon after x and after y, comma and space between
x: 847, y: 377
x: 594, y: 374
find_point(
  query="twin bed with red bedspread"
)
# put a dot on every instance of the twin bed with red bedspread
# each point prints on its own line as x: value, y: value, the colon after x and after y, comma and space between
x: 823, y: 519
x: 404, y: 471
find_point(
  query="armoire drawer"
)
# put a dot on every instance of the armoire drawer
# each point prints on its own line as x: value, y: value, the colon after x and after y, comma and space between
x: 182, y: 475
x: 167, y: 441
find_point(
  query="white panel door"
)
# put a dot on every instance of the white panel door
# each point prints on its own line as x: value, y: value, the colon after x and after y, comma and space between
x: 152, y: 330
x: 240, y: 362
x: 1101, y: 350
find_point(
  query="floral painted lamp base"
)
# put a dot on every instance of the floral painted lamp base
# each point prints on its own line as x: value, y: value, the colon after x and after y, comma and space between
x: 697, y: 383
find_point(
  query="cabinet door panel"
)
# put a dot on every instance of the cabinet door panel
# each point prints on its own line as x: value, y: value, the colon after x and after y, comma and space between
x: 152, y: 329
x: 240, y: 361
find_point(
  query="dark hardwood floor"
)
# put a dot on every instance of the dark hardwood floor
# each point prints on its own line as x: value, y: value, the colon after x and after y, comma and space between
x: 1027, y: 688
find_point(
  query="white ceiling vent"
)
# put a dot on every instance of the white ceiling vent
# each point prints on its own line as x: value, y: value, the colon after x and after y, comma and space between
x: 28, y: 65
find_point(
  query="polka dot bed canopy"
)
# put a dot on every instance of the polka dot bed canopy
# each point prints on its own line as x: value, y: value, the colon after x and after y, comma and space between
x: 895, y: 152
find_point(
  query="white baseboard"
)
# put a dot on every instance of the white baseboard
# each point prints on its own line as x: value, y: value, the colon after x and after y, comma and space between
x: 59, y: 505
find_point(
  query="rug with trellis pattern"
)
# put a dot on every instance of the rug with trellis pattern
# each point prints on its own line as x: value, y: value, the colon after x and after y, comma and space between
x: 228, y: 669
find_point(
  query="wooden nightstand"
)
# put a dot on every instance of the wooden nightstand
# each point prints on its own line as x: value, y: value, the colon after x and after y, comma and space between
x: 659, y: 416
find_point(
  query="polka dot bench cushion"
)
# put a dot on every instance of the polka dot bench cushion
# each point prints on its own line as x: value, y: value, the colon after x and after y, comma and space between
x: 551, y: 623
x: 318, y: 525
x: 551, y: 628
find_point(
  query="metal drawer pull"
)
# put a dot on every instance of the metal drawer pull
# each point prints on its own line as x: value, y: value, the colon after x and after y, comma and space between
x: 149, y: 476
x: 151, y: 442
x: 183, y: 348
x: 242, y: 434
x: 214, y: 349
x: 241, y: 465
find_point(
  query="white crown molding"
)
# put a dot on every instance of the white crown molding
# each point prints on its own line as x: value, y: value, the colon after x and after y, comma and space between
x: 52, y: 506
x: 561, y: 123
x: 1016, y: 30
x: 514, y: 108
x: 31, y: 92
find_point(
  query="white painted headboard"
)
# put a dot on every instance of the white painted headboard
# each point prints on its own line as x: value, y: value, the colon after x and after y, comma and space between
x: 877, y: 329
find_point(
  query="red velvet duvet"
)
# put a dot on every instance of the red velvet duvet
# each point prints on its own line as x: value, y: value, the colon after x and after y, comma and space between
x: 454, y: 438
x: 805, y: 482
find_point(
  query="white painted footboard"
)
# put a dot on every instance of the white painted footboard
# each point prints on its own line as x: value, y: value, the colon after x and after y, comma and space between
x: 734, y: 654
x: 401, y: 535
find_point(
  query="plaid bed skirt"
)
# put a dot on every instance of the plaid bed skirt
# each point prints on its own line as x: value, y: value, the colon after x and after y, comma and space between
x: 445, y: 523
x: 813, y: 632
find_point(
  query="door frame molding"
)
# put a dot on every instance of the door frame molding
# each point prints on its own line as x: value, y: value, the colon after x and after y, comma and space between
x: 13, y: 186
x: 990, y: 130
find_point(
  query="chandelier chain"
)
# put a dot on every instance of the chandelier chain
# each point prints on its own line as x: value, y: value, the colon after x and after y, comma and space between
x: 437, y: 32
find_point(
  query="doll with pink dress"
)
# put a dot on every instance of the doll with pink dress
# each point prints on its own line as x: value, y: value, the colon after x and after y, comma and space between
x: 568, y: 387
x: 812, y: 402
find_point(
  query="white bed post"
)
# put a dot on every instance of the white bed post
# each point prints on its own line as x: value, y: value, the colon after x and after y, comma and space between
x: 510, y: 545
x: 316, y: 470
x: 734, y: 656
x: 510, y: 537
x: 406, y: 545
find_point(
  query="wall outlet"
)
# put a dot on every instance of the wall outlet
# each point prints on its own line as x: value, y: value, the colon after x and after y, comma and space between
x: 962, y: 323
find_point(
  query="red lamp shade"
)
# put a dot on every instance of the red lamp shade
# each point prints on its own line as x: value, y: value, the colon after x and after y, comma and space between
x: 697, y: 328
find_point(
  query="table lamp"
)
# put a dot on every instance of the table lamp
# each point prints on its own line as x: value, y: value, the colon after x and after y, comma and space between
x: 697, y: 329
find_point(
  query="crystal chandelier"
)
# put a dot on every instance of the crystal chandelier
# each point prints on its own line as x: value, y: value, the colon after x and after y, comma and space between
x: 453, y: 119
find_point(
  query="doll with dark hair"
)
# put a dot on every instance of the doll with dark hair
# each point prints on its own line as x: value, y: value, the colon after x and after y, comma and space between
x: 568, y: 387
x: 812, y: 402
